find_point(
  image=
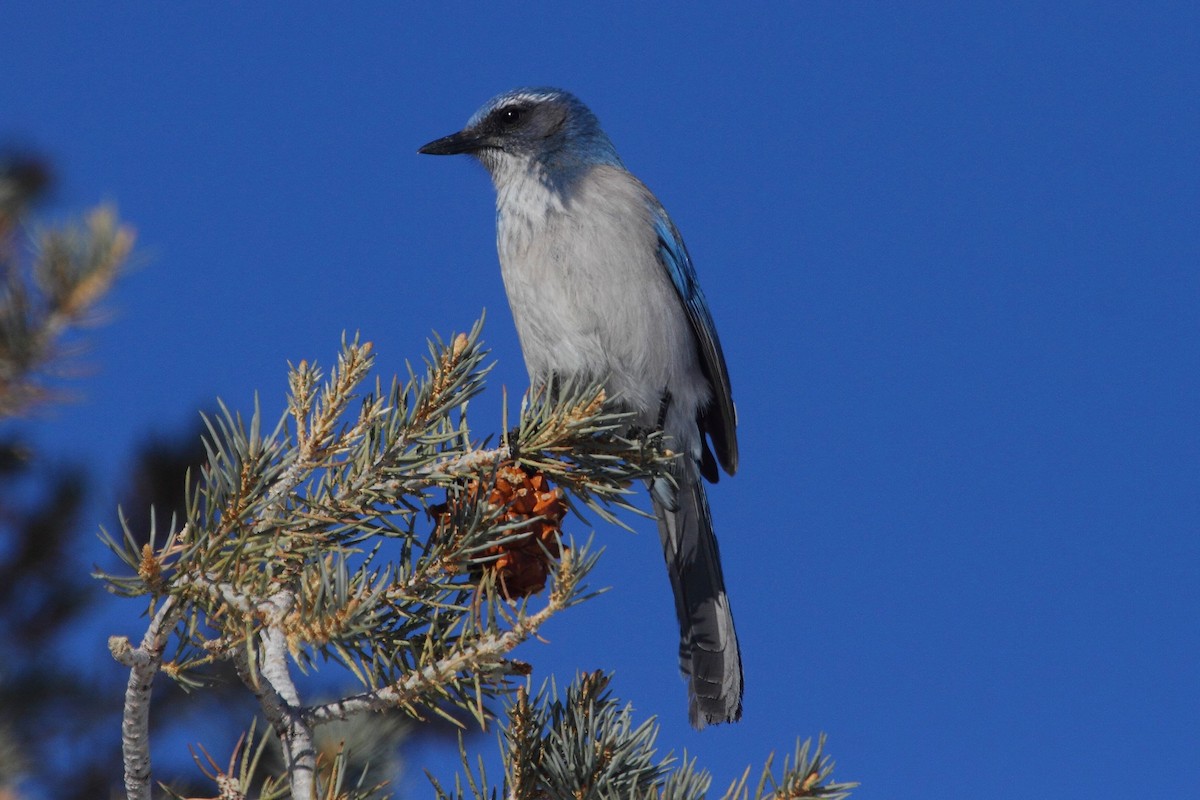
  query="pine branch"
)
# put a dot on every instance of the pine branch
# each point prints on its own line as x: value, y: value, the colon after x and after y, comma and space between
x: 380, y: 538
x: 143, y: 662
x: 386, y: 541
x: 588, y: 746
x: 481, y: 657
x: 272, y: 684
x: 47, y: 292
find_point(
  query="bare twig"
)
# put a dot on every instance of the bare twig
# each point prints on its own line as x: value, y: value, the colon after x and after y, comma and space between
x: 143, y: 663
x: 278, y: 697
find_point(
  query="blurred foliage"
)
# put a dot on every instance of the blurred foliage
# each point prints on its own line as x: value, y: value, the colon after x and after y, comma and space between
x: 50, y: 282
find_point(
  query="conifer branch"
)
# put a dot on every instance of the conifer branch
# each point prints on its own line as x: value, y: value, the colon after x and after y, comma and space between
x: 480, y: 658
x: 144, y: 663
x: 371, y: 532
x: 279, y: 561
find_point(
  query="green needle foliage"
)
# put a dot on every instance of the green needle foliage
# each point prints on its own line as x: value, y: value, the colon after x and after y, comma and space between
x: 589, y: 747
x: 369, y: 531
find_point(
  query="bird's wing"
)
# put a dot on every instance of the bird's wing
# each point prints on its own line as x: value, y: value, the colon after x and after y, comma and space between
x: 719, y: 419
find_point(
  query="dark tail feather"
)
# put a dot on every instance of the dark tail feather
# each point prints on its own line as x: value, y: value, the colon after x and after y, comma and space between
x: 708, y: 647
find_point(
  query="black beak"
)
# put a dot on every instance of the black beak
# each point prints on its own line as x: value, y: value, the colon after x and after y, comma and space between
x: 461, y: 142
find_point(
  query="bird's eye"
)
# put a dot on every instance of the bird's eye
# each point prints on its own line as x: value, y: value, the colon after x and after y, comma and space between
x: 511, y: 116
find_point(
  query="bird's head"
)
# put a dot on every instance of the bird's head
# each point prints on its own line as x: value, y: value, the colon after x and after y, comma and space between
x: 523, y: 127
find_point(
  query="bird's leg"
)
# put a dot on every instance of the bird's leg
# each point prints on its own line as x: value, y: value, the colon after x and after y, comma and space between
x: 663, y: 405
x: 642, y: 431
x: 552, y: 387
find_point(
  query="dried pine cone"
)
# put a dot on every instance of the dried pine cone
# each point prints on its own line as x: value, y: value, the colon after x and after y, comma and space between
x: 521, y: 566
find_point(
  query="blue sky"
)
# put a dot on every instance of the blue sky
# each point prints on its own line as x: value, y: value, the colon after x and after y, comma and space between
x: 952, y: 250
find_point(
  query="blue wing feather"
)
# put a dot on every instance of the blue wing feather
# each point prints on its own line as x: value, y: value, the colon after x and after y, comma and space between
x: 719, y: 419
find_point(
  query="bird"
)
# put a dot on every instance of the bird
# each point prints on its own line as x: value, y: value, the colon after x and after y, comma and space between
x: 602, y: 290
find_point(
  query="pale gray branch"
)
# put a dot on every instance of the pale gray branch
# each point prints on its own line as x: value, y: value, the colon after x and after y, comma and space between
x: 277, y: 694
x: 143, y: 663
x: 464, y: 464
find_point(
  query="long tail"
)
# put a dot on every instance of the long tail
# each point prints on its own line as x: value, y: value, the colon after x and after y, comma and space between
x: 708, y: 646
